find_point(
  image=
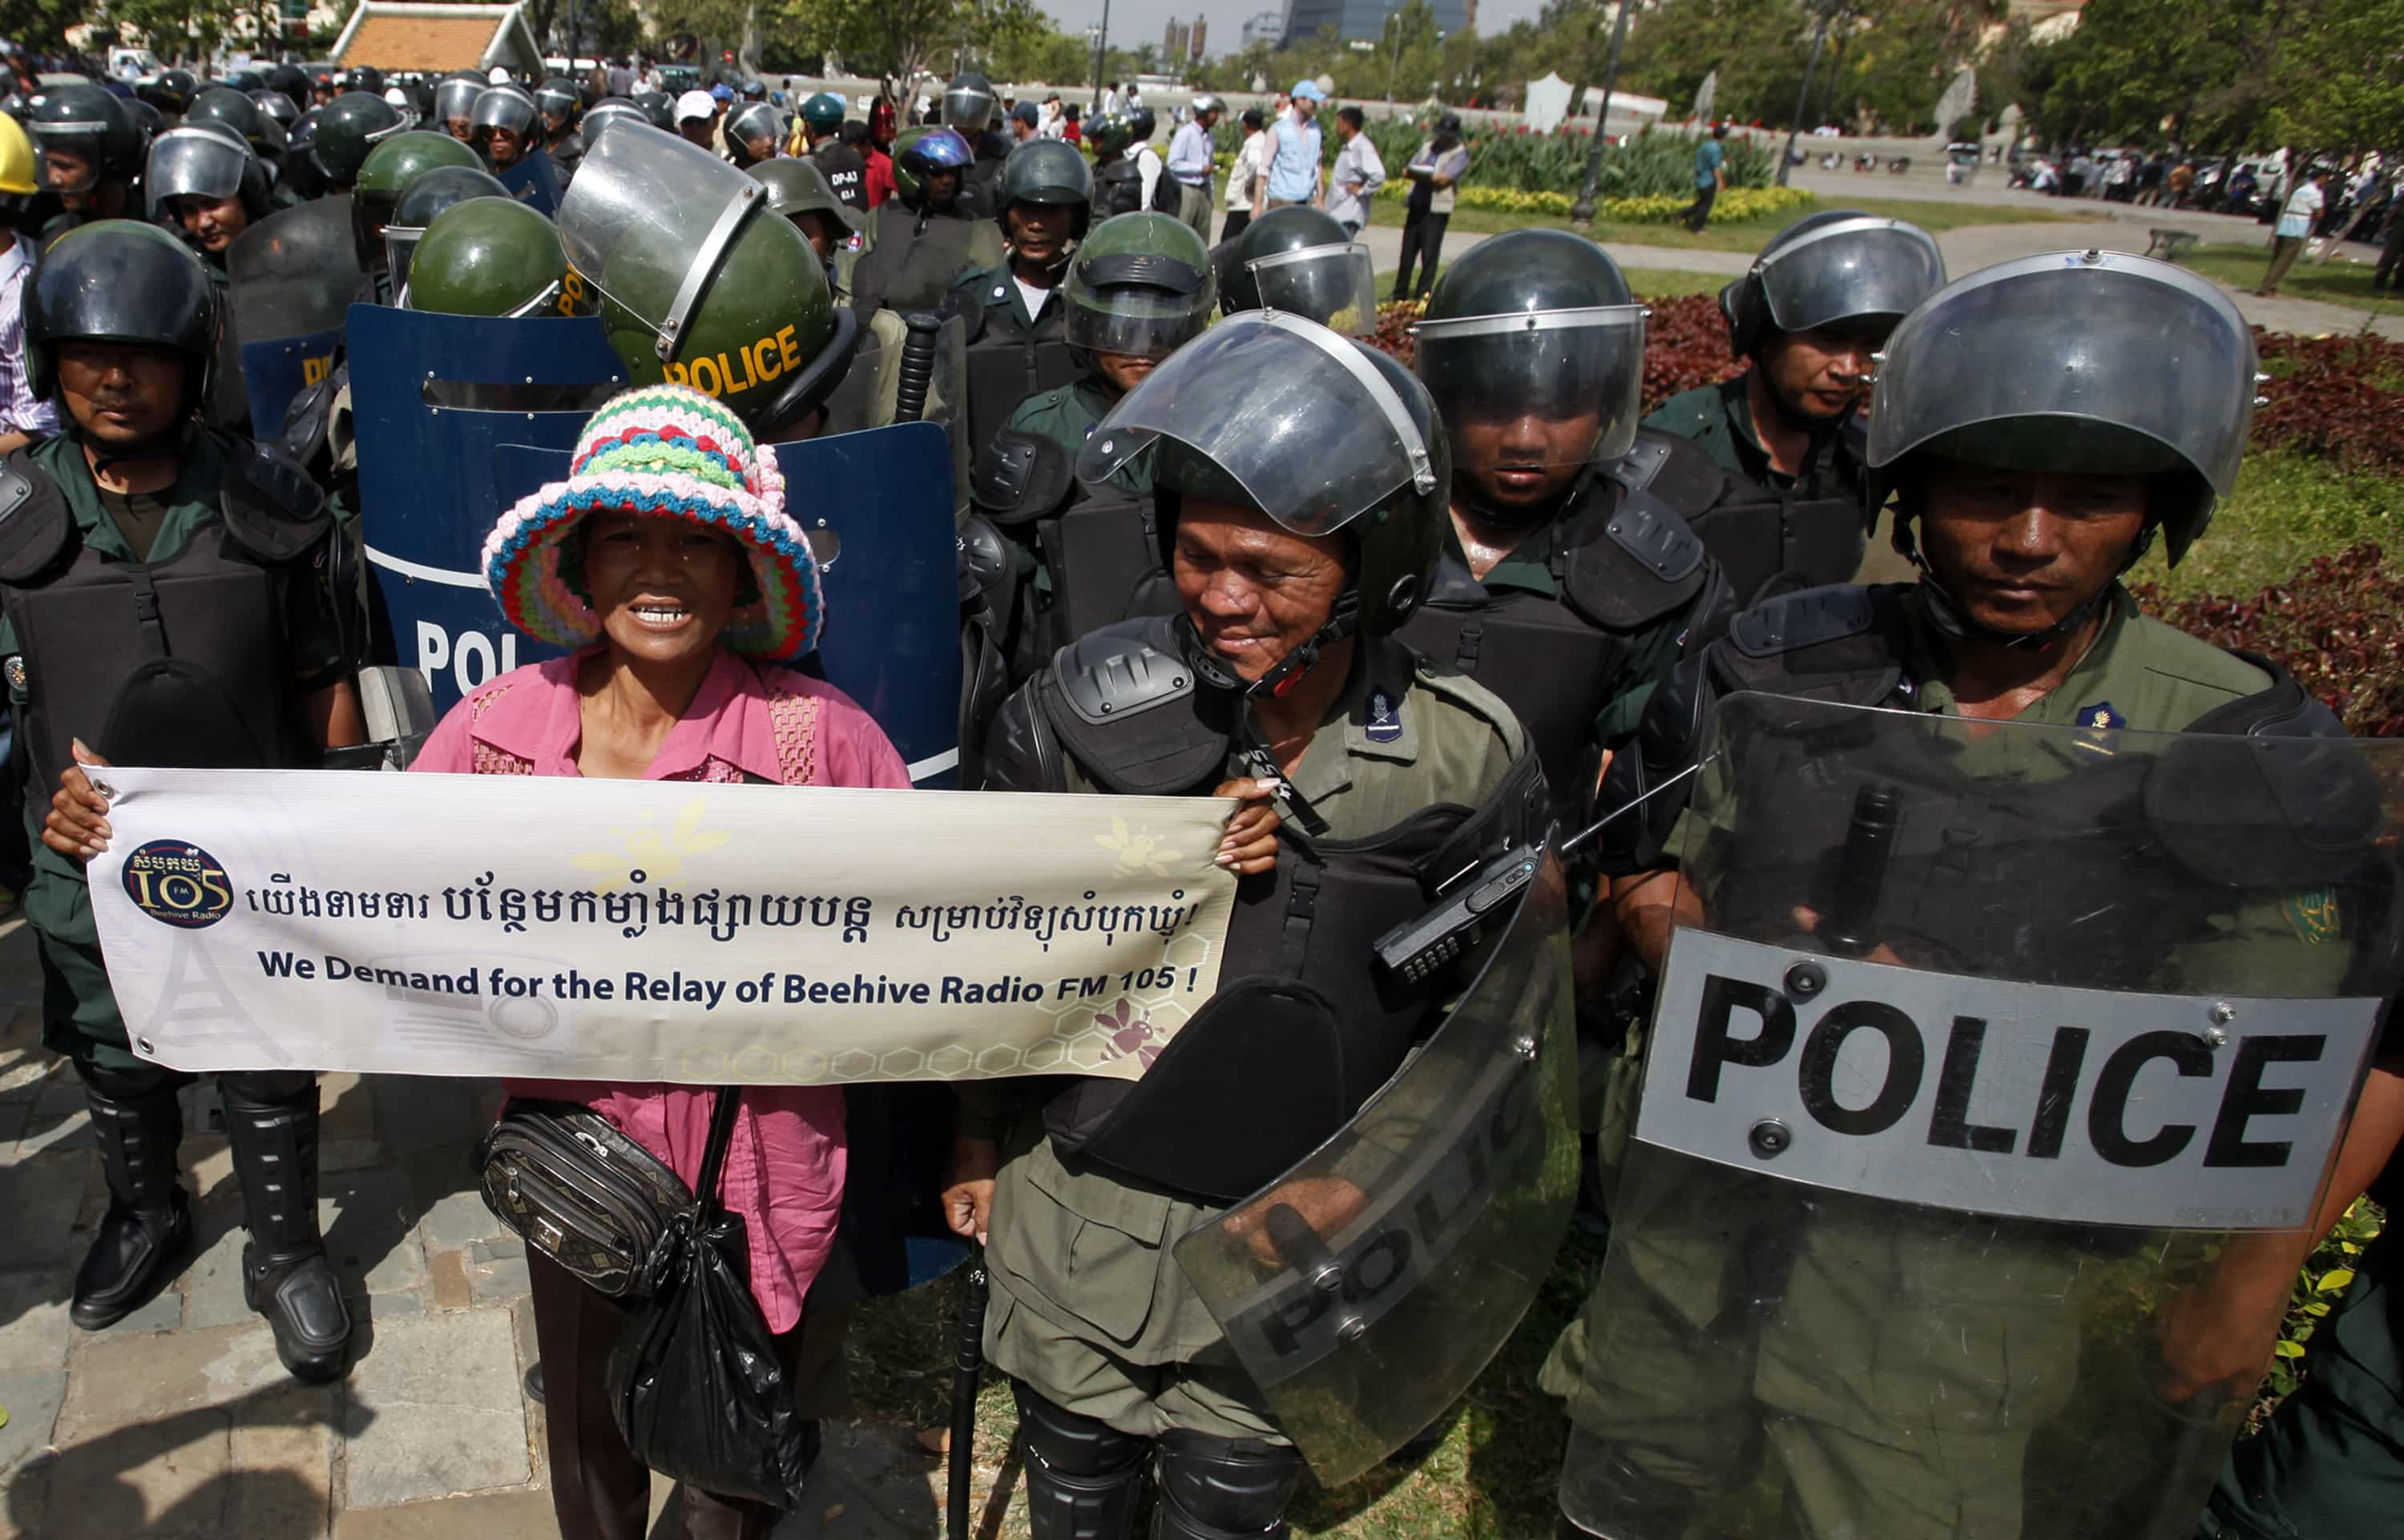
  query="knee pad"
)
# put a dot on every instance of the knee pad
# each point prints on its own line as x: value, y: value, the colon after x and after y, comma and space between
x: 269, y: 1089
x: 1083, y: 1477
x: 1220, y: 1489
x: 1073, y: 1445
x: 132, y: 1084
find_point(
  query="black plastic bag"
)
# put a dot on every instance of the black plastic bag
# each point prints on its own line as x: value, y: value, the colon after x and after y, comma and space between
x: 695, y: 1379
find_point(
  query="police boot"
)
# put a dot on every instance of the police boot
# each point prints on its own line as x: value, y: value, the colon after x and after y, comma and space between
x: 272, y: 1121
x: 1222, y: 1489
x: 1083, y: 1477
x: 148, y: 1226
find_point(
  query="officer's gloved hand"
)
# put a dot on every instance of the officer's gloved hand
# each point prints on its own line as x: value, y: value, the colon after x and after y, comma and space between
x: 77, y: 823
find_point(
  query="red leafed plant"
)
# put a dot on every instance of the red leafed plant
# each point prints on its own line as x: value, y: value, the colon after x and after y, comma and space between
x: 2338, y: 625
x: 1686, y: 343
x: 2339, y: 398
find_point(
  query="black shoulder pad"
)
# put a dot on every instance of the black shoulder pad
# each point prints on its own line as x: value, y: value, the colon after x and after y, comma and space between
x: 270, y: 503
x: 1643, y: 461
x: 1792, y: 622
x: 2281, y: 709
x: 35, y: 523
x: 984, y: 559
x: 309, y: 416
x: 1642, y: 565
x: 1688, y: 480
x: 1649, y: 530
x: 1020, y: 477
x: 1120, y: 670
x: 1018, y: 753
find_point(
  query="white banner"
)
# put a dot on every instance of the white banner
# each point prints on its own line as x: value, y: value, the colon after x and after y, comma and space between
x: 653, y: 931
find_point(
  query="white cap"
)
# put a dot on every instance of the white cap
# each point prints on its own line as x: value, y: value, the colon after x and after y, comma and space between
x: 500, y: 77
x: 397, y: 96
x: 695, y: 104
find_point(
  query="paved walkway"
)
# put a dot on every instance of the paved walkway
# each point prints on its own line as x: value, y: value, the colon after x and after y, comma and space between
x: 178, y: 1423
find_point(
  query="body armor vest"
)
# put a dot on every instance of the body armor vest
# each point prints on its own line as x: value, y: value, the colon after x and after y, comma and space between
x: 1622, y: 561
x: 1304, y: 1024
x: 1770, y: 539
x: 846, y: 171
x: 915, y: 259
x: 178, y: 663
x: 1004, y: 370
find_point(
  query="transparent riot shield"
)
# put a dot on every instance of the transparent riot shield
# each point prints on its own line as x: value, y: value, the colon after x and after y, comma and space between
x: 1994, y: 1080
x: 1365, y: 1288
x: 291, y: 277
x: 871, y: 386
x: 533, y: 180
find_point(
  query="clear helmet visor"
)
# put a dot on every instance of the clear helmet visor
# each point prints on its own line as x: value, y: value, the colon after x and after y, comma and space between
x: 505, y: 109
x: 1544, y: 388
x: 1335, y: 285
x: 193, y: 163
x: 2096, y: 361
x: 647, y: 220
x: 968, y: 110
x: 455, y: 99
x: 1849, y: 270
x: 1295, y: 414
x: 66, y: 161
x: 400, y: 246
x: 609, y: 115
x: 753, y: 121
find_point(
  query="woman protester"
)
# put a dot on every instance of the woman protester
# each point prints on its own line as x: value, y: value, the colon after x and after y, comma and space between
x: 650, y: 560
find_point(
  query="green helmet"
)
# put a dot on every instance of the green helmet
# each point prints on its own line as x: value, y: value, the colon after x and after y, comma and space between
x: 386, y: 174
x: 796, y: 186
x: 698, y: 285
x: 1109, y: 137
x: 1139, y: 284
x: 428, y: 196
x: 1046, y: 170
x: 222, y: 105
x: 348, y: 128
x: 492, y: 256
x: 823, y: 112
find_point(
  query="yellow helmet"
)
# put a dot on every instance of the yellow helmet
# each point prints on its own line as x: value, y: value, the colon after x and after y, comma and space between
x: 15, y: 158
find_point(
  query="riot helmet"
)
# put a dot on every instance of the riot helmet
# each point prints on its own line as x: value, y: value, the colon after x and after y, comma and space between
x: 2093, y: 362
x: 659, y: 106
x: 1832, y: 269
x: 509, y: 107
x: 970, y: 104
x: 1320, y: 432
x: 1109, y: 137
x: 244, y: 80
x: 290, y: 83
x: 492, y: 256
x: 83, y: 139
x: 754, y: 88
x: 348, y: 127
x: 695, y: 288
x: 121, y: 281
x: 822, y: 114
x: 427, y: 196
x: 148, y: 121
x: 171, y: 91
x: 278, y: 109
x: 754, y: 131
x: 796, y: 188
x: 455, y: 103
x: 1534, y: 353
x: 1049, y: 172
x: 1140, y: 124
x: 558, y: 100
x: 204, y: 162
x: 222, y: 105
x: 1298, y: 260
x: 362, y: 78
x: 387, y: 172
x: 608, y: 111
x: 922, y: 152
x: 1140, y: 285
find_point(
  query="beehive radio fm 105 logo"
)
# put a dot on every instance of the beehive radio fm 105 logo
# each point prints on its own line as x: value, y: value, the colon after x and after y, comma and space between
x: 178, y: 884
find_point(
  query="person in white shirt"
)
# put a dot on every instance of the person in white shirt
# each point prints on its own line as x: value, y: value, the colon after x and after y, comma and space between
x: 1147, y: 164
x: 2297, y: 216
x: 1054, y: 125
x: 1189, y: 162
x: 1244, y: 181
x: 1359, y: 173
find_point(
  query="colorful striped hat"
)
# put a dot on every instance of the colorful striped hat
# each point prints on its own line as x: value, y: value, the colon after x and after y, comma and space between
x: 669, y: 451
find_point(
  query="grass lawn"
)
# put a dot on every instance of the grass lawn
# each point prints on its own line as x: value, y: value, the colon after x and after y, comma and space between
x: 2338, y: 280
x: 2287, y: 509
x: 1745, y: 235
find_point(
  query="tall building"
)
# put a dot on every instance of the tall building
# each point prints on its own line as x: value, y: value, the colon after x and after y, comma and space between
x: 1267, y: 26
x: 1201, y: 30
x: 1354, y: 19
x: 1174, y: 43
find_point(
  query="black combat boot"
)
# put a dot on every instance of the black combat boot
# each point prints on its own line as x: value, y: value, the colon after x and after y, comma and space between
x: 148, y: 1226
x: 272, y: 1122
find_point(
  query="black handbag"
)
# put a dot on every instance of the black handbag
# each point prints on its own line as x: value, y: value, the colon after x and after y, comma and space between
x: 569, y: 1183
x: 694, y: 1380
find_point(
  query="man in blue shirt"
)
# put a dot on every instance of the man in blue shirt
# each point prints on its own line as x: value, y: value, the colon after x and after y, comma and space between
x: 1711, y: 174
x: 1292, y: 152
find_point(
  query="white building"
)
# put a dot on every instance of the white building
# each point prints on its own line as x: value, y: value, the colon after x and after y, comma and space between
x: 1266, y: 26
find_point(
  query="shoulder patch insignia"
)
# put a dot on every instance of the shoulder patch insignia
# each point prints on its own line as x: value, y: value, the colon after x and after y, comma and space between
x: 2100, y: 716
x: 1383, y: 726
x: 2313, y: 914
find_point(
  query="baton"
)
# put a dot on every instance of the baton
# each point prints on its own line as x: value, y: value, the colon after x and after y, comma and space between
x: 1861, y: 873
x: 968, y: 1364
x: 917, y: 366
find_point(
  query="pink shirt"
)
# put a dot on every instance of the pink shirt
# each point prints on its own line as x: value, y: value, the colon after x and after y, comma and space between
x: 785, y: 1168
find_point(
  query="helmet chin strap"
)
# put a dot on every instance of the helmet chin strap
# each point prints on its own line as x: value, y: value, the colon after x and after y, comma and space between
x: 1945, y: 612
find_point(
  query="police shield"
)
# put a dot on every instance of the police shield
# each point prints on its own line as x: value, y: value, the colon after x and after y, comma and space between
x: 1365, y: 1288
x: 533, y: 179
x: 871, y: 390
x: 433, y: 396
x: 1998, y: 1063
x: 291, y: 276
x: 878, y: 507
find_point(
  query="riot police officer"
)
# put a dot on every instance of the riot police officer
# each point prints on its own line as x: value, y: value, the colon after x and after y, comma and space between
x: 1816, y: 303
x: 348, y: 127
x: 971, y: 109
x: 1561, y: 589
x: 239, y: 656
x: 90, y: 154
x: 798, y: 191
x: 559, y: 104
x: 846, y: 168
x: 1298, y: 260
x: 454, y: 105
x: 754, y: 133
x: 487, y: 255
x: 1118, y: 184
x: 1900, y: 1357
x: 218, y: 105
x: 1013, y: 314
x: 206, y: 185
x: 504, y: 128
x: 930, y: 233
x: 384, y: 178
x: 171, y: 92
x: 1139, y: 288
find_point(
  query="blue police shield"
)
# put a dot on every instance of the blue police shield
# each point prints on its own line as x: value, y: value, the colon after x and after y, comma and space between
x: 289, y: 279
x: 877, y: 506
x: 432, y: 397
x: 534, y: 180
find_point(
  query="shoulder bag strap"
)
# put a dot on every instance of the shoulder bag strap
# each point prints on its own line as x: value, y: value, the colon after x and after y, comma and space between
x: 723, y: 1104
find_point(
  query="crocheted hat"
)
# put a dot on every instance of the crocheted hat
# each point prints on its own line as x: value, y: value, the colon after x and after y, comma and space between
x: 673, y: 451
